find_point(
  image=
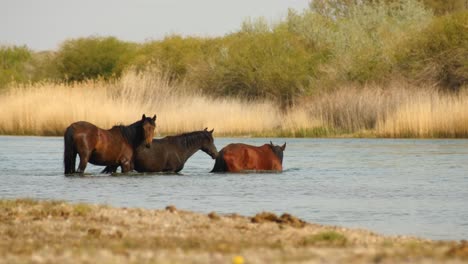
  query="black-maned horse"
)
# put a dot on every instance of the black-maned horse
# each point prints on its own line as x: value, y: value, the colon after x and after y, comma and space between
x: 169, y: 154
x: 113, y: 147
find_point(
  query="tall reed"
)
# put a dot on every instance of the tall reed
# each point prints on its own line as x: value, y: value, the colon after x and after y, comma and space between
x: 48, y: 108
x: 396, y: 110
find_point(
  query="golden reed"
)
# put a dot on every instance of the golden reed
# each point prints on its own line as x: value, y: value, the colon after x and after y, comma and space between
x: 48, y: 108
x: 398, y: 110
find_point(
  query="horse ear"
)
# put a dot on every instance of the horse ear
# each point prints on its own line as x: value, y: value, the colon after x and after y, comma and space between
x: 283, y: 147
x: 143, y: 117
x: 271, y: 143
x: 154, y: 118
x: 205, y: 129
x: 211, y: 131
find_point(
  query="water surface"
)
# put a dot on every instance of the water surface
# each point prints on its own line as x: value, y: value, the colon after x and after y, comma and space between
x: 395, y: 187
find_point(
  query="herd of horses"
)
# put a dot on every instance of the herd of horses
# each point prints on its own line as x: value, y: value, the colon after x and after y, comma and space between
x: 132, y: 147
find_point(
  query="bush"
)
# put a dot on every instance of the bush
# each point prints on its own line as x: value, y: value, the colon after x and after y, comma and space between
x: 361, y: 36
x: 14, y: 64
x: 177, y: 55
x: 87, y: 58
x: 443, y: 7
x: 439, y: 54
x: 273, y: 65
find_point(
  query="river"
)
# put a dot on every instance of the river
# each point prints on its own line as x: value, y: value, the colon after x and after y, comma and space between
x: 390, y: 186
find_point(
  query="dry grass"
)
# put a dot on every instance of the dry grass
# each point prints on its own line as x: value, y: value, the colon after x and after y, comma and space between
x: 59, y: 232
x: 48, y: 108
x: 428, y: 114
x: 396, y: 110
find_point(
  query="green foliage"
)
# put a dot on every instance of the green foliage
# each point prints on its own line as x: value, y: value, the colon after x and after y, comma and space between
x: 443, y: 7
x: 439, y: 53
x: 86, y: 58
x: 333, y: 42
x: 326, y: 238
x: 44, y: 66
x: 362, y: 37
x: 176, y: 55
x: 267, y: 64
x: 14, y: 64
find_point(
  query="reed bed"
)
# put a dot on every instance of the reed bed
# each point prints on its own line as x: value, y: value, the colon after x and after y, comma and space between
x: 48, y: 108
x: 427, y: 115
x: 396, y: 110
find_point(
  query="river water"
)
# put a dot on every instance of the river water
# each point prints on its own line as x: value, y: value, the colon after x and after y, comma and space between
x: 390, y: 186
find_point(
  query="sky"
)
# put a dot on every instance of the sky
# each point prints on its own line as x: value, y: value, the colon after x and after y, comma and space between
x: 44, y: 24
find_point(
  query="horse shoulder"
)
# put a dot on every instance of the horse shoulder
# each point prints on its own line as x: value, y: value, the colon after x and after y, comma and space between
x: 231, y: 159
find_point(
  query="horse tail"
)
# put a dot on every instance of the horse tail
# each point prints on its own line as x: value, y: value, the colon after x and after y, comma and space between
x: 220, y: 163
x: 69, y: 153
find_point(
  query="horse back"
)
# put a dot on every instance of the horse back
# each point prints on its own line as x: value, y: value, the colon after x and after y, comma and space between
x: 150, y: 159
x: 107, y: 147
x: 239, y: 157
x: 84, y: 133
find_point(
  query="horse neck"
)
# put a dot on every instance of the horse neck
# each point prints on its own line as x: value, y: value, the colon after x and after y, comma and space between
x: 132, y: 134
x: 189, y: 144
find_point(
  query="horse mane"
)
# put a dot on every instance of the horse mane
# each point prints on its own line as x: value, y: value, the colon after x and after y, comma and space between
x: 131, y: 133
x: 190, y: 138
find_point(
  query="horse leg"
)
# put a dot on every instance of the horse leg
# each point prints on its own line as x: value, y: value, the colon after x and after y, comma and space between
x: 110, y: 169
x: 126, y: 165
x: 84, y: 158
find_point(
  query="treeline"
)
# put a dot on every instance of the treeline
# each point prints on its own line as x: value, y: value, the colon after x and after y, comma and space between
x: 329, y: 44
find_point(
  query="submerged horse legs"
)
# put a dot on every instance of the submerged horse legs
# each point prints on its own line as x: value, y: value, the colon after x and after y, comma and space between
x: 110, y: 169
x: 84, y: 158
x: 126, y: 164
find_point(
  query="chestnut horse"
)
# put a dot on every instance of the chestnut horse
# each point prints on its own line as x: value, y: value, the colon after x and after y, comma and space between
x: 113, y: 147
x: 242, y: 157
x: 169, y: 154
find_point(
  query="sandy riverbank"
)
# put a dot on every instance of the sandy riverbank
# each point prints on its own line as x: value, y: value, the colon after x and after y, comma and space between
x: 60, y: 232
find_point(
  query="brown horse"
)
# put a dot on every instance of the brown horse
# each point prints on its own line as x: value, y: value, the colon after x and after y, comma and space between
x: 113, y: 147
x: 169, y: 154
x: 242, y: 157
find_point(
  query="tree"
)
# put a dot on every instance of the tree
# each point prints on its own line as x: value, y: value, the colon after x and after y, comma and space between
x: 13, y: 64
x: 443, y: 7
x: 87, y: 58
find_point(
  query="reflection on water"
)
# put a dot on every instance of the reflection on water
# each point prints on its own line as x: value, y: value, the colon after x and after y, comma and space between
x: 407, y: 187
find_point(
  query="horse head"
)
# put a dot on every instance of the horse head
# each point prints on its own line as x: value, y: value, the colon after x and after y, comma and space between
x: 278, y: 150
x: 149, y: 124
x: 208, y: 144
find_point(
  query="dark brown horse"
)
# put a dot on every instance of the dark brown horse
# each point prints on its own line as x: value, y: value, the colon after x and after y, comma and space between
x: 169, y: 154
x: 242, y: 157
x: 113, y: 147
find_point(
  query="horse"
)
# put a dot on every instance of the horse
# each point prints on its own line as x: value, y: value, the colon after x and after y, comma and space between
x: 169, y: 154
x: 113, y: 147
x: 238, y: 157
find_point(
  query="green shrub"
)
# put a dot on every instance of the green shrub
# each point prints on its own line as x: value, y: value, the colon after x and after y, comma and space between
x: 87, y: 58
x: 362, y: 36
x: 44, y: 66
x: 443, y: 7
x: 175, y: 54
x: 14, y: 64
x: 274, y: 65
x: 326, y: 238
x: 439, y: 54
